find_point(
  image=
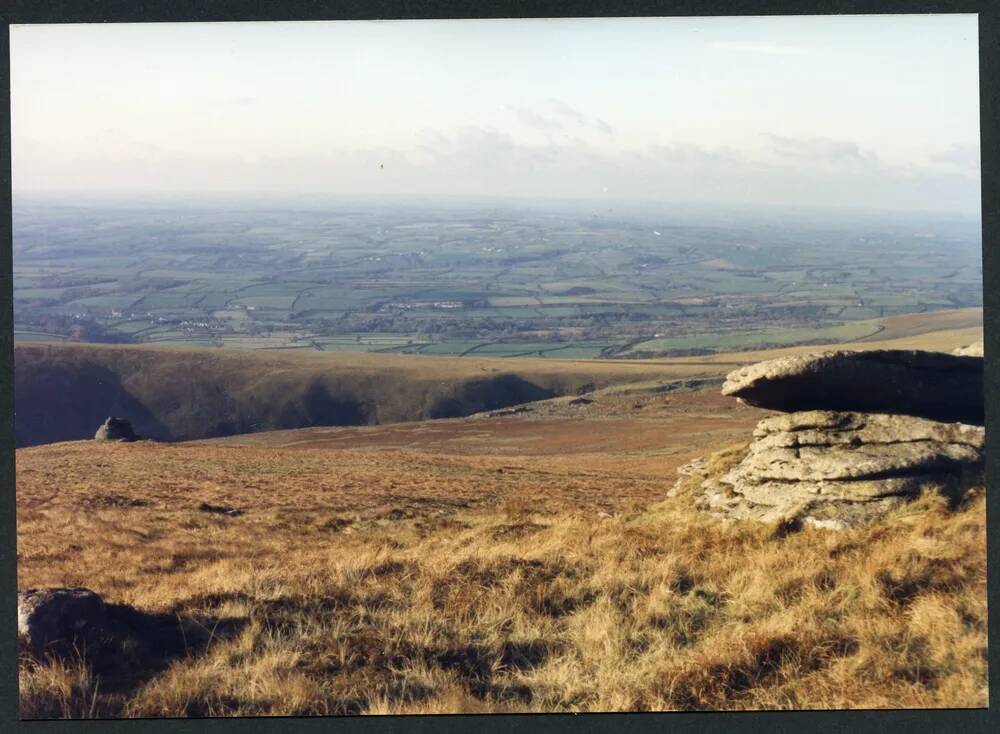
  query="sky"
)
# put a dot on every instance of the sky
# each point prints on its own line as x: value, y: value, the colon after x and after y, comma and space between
x: 831, y: 111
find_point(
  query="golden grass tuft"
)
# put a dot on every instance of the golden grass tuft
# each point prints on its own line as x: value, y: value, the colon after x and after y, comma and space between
x: 408, y: 602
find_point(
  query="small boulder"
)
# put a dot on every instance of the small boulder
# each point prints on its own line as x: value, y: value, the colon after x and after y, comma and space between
x: 115, y: 429
x: 57, y: 620
x: 933, y: 385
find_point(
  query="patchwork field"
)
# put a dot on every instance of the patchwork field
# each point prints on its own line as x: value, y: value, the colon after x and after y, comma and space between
x: 561, y: 282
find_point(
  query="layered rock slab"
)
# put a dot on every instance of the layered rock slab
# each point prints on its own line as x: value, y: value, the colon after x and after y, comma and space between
x: 841, y: 469
x: 933, y: 385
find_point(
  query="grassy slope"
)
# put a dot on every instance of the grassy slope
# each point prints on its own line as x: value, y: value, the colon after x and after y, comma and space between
x: 890, y: 327
x: 64, y: 391
x: 527, y: 563
x: 355, y: 583
x: 909, y: 325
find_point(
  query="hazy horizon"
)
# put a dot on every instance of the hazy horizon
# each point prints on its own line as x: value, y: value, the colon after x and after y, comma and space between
x: 877, y: 113
x: 593, y: 206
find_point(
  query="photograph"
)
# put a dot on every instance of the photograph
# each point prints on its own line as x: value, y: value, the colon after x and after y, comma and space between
x: 498, y: 366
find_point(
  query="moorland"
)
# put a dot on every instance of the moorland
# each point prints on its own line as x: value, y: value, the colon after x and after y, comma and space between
x: 508, y: 561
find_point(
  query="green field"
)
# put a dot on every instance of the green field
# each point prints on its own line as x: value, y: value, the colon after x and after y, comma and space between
x: 133, y: 327
x: 561, y: 282
x: 37, y: 336
x: 757, y: 338
x: 449, y: 349
x: 39, y: 293
x: 367, y: 343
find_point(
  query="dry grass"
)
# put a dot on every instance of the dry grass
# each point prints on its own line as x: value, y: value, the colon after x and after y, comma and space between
x: 359, y: 582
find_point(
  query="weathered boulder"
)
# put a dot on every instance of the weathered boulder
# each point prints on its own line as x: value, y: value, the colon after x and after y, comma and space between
x: 934, y: 385
x: 115, y: 429
x: 841, y: 469
x: 59, y: 620
x: 970, y: 350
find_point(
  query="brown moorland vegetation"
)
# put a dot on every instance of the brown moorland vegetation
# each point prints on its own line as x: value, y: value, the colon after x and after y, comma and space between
x: 524, y: 608
x: 527, y: 561
x: 512, y: 564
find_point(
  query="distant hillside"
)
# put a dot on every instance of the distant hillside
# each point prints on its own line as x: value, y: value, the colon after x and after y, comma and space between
x: 64, y: 391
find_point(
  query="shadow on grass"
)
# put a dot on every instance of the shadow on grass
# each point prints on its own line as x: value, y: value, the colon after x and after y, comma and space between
x: 478, y: 665
x: 132, y: 648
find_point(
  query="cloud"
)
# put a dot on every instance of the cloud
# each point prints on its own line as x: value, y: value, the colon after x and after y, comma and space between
x: 959, y: 155
x: 566, y: 110
x: 488, y: 161
x: 692, y: 156
x: 433, y: 143
x: 769, y: 49
x: 604, y: 127
x: 532, y: 119
x: 243, y: 100
x: 564, y: 116
x: 820, y: 150
x: 470, y: 147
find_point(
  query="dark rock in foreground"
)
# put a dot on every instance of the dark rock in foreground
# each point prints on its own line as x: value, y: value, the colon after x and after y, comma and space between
x: 836, y: 469
x: 60, y: 620
x: 934, y: 385
x: 115, y: 429
x: 116, y: 640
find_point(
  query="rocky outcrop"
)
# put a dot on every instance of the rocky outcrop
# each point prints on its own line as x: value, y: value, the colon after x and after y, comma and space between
x: 59, y: 620
x: 844, y: 469
x: 115, y: 429
x: 935, y: 385
x: 863, y: 432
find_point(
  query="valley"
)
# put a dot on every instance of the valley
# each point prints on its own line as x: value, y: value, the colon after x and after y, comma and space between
x: 64, y: 391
